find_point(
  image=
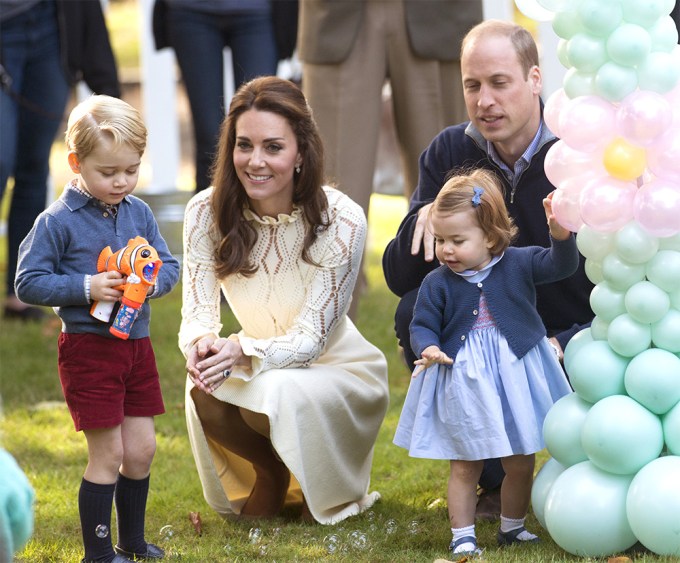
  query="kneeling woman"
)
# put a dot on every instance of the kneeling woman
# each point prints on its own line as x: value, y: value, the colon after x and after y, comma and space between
x: 288, y: 409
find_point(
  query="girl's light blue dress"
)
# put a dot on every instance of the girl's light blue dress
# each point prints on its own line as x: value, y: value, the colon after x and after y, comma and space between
x: 488, y: 404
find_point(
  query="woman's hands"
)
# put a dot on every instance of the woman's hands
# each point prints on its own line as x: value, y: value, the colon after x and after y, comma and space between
x: 211, y: 360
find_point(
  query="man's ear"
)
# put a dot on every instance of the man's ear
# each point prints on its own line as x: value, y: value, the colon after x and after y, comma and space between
x: 74, y: 162
x: 536, y: 79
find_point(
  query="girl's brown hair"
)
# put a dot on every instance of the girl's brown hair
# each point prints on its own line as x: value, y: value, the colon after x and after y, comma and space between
x: 480, y: 191
x: 238, y: 236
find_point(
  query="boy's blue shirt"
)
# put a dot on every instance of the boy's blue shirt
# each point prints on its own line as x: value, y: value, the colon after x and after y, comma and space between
x: 63, y: 247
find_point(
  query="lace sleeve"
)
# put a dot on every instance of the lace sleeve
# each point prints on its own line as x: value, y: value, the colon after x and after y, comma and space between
x: 200, y: 285
x: 338, y: 252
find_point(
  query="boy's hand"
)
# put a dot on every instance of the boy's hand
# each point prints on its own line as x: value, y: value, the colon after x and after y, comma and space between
x: 557, y: 231
x: 431, y: 355
x: 103, y: 286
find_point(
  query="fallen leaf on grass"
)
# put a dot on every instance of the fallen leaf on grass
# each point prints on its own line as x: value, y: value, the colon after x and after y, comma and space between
x: 195, y: 519
x: 621, y: 559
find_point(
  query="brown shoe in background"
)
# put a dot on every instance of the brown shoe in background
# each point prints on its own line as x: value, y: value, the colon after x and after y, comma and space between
x: 488, y: 505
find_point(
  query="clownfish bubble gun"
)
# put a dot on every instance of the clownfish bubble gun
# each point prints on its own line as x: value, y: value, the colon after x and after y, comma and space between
x: 139, y: 263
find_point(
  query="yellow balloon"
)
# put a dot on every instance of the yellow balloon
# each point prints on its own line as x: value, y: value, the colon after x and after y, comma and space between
x: 623, y: 160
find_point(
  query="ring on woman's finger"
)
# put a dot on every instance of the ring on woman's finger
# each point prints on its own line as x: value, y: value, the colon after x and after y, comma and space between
x: 226, y: 373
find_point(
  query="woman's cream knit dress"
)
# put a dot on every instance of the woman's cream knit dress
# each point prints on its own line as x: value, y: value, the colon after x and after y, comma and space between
x: 320, y: 382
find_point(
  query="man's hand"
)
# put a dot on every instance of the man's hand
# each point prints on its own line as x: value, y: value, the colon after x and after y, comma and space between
x: 423, y: 234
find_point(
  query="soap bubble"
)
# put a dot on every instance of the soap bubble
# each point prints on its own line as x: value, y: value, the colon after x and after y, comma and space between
x: 358, y: 540
x: 332, y: 543
x: 255, y: 535
x: 101, y: 531
x: 391, y: 526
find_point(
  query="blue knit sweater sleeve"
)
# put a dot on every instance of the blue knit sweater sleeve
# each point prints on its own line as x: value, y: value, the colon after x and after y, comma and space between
x: 429, y: 313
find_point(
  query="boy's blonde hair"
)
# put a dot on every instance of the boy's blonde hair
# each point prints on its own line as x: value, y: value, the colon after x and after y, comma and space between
x: 489, y: 206
x: 99, y: 116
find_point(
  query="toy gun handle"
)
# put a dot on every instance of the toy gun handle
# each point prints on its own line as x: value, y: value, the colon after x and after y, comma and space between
x: 125, y: 318
x: 101, y: 310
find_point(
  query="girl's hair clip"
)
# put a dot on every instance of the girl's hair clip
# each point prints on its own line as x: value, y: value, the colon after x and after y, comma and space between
x: 477, y: 197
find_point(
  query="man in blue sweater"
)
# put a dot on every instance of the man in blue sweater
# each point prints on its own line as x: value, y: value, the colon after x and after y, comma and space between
x: 506, y: 134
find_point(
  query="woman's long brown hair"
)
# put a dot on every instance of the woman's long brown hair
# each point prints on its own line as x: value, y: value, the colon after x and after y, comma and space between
x: 238, y: 236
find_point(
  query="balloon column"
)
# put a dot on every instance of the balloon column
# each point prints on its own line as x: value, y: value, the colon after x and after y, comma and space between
x: 614, y: 475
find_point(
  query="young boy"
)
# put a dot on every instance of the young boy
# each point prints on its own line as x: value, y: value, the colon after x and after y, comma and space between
x: 110, y: 384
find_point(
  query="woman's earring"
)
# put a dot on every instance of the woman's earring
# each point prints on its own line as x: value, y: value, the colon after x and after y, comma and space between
x: 297, y: 168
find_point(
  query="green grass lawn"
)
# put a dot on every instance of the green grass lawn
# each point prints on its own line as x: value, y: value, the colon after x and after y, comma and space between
x: 408, y: 524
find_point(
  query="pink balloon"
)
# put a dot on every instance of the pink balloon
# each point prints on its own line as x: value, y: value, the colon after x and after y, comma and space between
x: 563, y: 162
x: 607, y: 203
x: 643, y: 117
x: 657, y: 207
x: 566, y: 206
x: 553, y: 107
x: 663, y: 157
x: 587, y: 123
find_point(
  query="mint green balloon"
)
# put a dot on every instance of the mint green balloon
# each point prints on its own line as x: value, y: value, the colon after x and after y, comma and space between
x: 659, y: 72
x: 586, y: 53
x: 593, y: 270
x: 675, y: 299
x: 663, y: 270
x: 576, y: 342
x: 620, y: 273
x: 670, y: 243
x: 643, y: 12
x: 599, y: 328
x: 597, y: 371
x: 544, y: 479
x: 566, y: 24
x: 647, y: 303
x: 634, y: 244
x: 562, y: 429
x: 562, y: 54
x: 653, y: 379
x: 653, y: 506
x: 585, y: 511
x: 621, y: 436
x: 666, y: 332
x: 600, y: 17
x: 577, y: 83
x: 607, y: 302
x: 628, y: 337
x: 629, y: 44
x: 614, y: 81
x: 664, y: 34
x: 671, y: 429
x: 594, y: 244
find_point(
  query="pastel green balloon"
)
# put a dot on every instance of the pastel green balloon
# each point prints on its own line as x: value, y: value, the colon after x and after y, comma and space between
x: 644, y: 13
x: 593, y: 270
x: 671, y: 429
x: 663, y: 270
x: 543, y: 481
x: 666, y: 332
x: 628, y: 337
x: 634, y: 244
x: 653, y: 506
x: 670, y: 243
x: 562, y: 429
x: 621, y: 436
x: 585, y: 511
x: 597, y: 371
x: 664, y: 34
x: 646, y: 302
x: 620, y: 273
x: 653, y: 379
x: 586, y: 52
x: 594, y: 244
x: 599, y: 328
x: 675, y: 299
x: 577, y: 83
x: 576, y: 342
x: 566, y: 24
x: 607, y: 302
x: 659, y: 72
x: 600, y: 17
x: 629, y: 44
x: 614, y: 81
x: 562, y: 54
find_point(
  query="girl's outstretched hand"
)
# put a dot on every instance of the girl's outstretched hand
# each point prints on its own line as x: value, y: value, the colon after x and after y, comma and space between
x: 557, y: 231
x: 431, y: 355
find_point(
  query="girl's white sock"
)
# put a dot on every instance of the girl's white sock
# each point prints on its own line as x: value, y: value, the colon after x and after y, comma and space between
x: 509, y: 524
x: 461, y: 533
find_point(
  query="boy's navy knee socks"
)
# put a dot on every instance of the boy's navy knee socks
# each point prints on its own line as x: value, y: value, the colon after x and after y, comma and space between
x: 94, y: 504
x: 130, y: 499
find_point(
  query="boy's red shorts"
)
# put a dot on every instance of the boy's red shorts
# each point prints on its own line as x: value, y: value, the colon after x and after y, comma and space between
x: 105, y: 379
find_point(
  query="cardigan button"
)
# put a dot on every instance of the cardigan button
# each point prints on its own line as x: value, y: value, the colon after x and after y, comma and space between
x: 105, y: 214
x: 479, y: 284
x: 462, y: 337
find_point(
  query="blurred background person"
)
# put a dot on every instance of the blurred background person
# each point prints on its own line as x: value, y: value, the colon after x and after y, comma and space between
x: 46, y: 47
x: 258, y: 32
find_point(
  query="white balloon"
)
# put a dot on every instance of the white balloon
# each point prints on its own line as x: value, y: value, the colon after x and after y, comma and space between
x: 532, y: 9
